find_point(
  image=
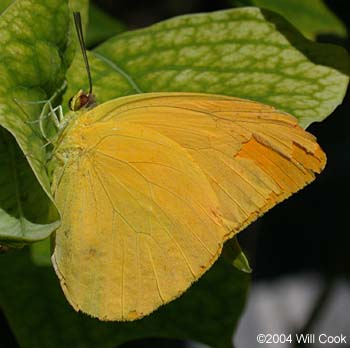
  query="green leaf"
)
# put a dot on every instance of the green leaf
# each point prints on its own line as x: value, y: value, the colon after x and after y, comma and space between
x: 4, y: 4
x: 311, y: 17
x: 23, y: 203
x: 33, y: 60
x: 247, y: 52
x: 233, y: 253
x: 41, y: 317
x: 40, y: 253
x: 101, y: 27
x: 36, y: 51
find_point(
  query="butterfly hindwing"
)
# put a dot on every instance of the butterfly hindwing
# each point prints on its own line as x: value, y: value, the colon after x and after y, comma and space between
x: 140, y: 221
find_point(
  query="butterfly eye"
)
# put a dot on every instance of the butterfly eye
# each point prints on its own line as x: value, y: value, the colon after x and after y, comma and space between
x: 83, y: 100
x: 70, y: 102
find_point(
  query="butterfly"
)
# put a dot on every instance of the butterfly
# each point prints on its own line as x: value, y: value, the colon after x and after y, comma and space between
x: 150, y: 186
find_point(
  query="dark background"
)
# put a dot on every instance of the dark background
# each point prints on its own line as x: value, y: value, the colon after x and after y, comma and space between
x: 308, y: 232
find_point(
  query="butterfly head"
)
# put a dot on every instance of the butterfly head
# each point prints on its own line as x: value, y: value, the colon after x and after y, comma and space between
x: 81, y: 100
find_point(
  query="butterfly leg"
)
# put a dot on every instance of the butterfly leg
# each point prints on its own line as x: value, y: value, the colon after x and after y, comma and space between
x: 43, y: 115
x: 57, y: 119
x: 60, y: 116
x: 30, y: 123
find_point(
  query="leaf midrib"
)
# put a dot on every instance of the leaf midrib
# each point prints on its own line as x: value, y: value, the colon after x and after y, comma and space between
x: 115, y: 67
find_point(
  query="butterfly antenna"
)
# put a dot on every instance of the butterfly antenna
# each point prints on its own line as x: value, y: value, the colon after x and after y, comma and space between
x: 79, y: 29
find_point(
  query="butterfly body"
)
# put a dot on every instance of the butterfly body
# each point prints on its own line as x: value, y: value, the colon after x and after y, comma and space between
x: 152, y: 185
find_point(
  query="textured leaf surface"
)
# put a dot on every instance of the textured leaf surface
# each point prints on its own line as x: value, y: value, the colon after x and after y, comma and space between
x: 40, y: 316
x: 34, y: 56
x: 245, y: 52
x: 311, y: 17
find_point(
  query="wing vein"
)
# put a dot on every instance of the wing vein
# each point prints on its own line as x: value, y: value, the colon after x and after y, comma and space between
x: 172, y: 193
x: 162, y: 187
x: 164, y: 226
x: 155, y: 273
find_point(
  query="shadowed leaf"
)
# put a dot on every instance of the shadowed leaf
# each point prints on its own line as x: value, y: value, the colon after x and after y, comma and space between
x: 101, y: 27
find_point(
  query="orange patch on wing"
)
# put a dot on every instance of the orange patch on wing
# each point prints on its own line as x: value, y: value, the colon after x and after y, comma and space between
x: 289, y: 174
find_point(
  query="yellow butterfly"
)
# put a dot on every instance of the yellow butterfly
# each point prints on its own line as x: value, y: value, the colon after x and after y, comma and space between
x: 150, y: 186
